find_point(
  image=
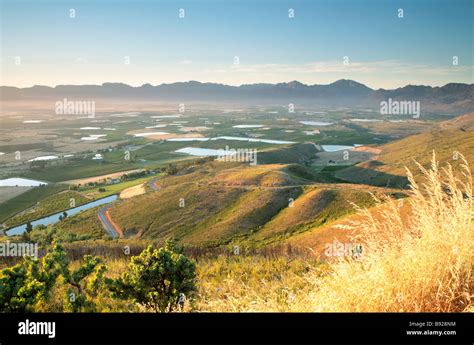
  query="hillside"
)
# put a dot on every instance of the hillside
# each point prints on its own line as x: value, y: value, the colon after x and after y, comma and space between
x: 316, y: 207
x: 388, y: 168
x: 219, y: 203
x: 211, y: 206
x: 224, y: 203
x: 317, y: 238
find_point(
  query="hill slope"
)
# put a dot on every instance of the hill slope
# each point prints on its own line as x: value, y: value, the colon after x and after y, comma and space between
x: 388, y: 168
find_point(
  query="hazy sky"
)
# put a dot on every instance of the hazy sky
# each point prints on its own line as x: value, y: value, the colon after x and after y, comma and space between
x: 236, y: 42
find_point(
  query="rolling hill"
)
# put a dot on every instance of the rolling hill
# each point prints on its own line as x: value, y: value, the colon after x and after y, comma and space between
x: 223, y: 203
x: 388, y: 168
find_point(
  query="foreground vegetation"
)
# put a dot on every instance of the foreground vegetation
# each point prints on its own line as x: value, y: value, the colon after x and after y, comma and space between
x: 420, y: 264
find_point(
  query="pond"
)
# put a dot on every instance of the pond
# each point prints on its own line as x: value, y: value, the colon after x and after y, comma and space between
x: 21, y: 182
x: 335, y: 148
x: 54, y: 218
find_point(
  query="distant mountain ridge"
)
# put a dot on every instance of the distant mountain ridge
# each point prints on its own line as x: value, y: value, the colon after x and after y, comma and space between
x: 455, y: 97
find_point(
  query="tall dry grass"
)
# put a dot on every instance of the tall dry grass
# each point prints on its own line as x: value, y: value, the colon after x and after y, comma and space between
x: 420, y: 264
x: 254, y: 283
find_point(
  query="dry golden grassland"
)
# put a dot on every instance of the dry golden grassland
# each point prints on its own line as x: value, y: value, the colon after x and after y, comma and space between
x: 423, y: 265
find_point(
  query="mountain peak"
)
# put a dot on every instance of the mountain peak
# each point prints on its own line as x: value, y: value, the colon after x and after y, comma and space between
x: 295, y: 84
x: 348, y: 83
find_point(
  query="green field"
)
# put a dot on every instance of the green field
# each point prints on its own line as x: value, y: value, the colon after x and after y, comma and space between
x: 114, y: 188
x: 28, y: 199
x: 48, y: 205
x: 78, y: 169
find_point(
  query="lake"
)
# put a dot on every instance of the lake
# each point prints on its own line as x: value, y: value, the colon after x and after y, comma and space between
x: 43, y: 158
x: 248, y: 126
x: 20, y: 182
x: 267, y: 141
x: 316, y: 123
x: 54, y: 218
x: 197, y: 151
x: 335, y: 148
x: 150, y: 134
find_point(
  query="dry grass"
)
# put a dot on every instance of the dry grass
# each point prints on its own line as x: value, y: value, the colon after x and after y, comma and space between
x: 132, y: 191
x: 423, y: 265
x: 254, y: 283
x: 420, y: 264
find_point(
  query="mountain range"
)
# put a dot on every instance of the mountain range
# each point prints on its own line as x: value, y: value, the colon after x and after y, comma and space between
x: 452, y: 97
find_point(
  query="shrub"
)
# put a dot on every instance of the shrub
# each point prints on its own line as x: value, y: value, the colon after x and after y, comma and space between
x: 28, y: 283
x: 84, y: 284
x: 171, y: 169
x: 159, y: 279
x: 28, y: 286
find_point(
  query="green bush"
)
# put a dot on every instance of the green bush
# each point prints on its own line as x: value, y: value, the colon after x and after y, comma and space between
x: 28, y: 286
x: 159, y: 279
x: 28, y: 283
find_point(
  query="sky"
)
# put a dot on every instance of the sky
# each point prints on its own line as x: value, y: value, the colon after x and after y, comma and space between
x: 53, y: 42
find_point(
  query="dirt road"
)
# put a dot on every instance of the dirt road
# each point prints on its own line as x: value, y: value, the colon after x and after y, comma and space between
x: 112, y: 228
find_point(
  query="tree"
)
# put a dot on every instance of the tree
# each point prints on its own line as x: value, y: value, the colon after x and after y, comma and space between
x: 171, y: 169
x: 25, y: 236
x: 159, y: 279
x: 38, y: 165
x: 84, y: 284
x: 62, y: 216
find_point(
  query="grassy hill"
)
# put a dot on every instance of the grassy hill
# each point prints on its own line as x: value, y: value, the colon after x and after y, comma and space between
x: 388, y: 168
x: 222, y: 203
x: 210, y: 206
x: 313, y: 209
